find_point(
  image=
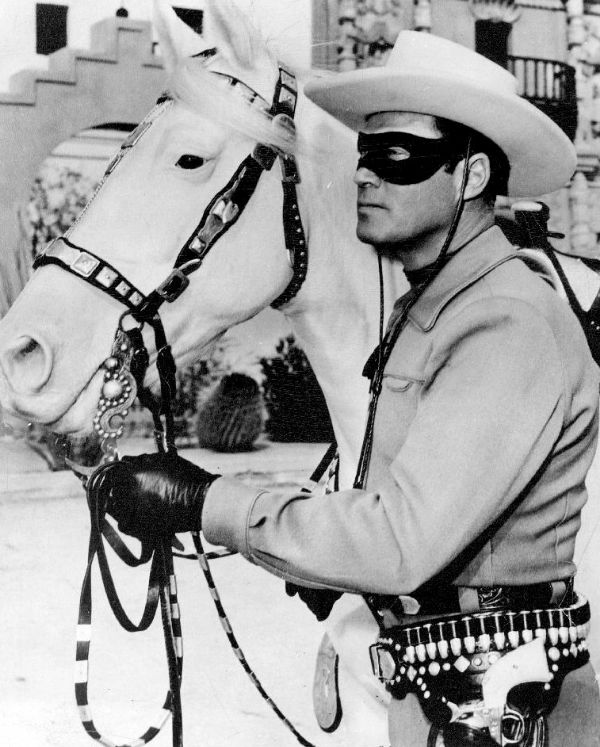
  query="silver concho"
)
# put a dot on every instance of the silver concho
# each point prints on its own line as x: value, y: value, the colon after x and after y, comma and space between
x: 118, y: 391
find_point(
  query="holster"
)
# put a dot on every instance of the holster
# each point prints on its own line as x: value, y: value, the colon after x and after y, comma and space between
x: 444, y: 660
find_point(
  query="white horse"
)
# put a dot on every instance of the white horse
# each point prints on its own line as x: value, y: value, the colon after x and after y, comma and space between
x: 55, y: 337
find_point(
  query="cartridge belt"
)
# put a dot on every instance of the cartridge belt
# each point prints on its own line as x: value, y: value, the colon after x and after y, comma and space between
x: 403, y: 654
x: 442, y: 599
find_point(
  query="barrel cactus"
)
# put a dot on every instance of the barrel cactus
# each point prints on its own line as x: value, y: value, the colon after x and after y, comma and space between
x: 232, y: 416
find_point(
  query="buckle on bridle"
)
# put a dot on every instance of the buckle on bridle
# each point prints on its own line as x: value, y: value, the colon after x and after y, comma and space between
x: 289, y: 169
x: 173, y: 286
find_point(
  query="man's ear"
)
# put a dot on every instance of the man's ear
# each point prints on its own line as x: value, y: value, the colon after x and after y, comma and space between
x: 479, y: 176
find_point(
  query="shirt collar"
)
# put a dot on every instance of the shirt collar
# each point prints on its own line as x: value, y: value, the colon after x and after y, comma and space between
x: 469, y: 264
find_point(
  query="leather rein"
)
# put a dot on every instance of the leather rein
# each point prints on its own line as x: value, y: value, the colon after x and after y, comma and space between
x: 124, y: 373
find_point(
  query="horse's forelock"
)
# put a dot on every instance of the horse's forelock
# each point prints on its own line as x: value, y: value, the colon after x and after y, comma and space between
x: 207, y: 94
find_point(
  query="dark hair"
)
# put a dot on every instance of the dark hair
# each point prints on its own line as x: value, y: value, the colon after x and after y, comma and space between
x: 499, y: 166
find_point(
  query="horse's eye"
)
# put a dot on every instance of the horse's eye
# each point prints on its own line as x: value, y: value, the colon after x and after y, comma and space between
x: 188, y: 161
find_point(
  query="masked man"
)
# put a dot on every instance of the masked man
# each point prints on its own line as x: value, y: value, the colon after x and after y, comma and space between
x: 461, y: 528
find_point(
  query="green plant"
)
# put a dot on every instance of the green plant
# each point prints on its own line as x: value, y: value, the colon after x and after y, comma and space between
x: 57, y: 197
x: 296, y: 407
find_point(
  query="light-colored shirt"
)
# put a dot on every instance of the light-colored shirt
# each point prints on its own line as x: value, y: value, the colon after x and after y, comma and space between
x: 485, y: 430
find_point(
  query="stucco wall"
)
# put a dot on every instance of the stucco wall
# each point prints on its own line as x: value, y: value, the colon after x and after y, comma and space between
x: 286, y: 22
x: 453, y: 20
x: 116, y: 82
x: 540, y: 33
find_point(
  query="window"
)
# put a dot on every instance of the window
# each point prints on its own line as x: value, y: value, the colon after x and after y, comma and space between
x: 192, y: 17
x: 491, y: 40
x: 51, y: 27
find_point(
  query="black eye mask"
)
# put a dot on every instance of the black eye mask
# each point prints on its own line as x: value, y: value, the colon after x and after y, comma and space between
x: 425, y: 156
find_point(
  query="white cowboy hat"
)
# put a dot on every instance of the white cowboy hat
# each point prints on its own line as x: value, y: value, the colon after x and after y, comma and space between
x: 431, y: 75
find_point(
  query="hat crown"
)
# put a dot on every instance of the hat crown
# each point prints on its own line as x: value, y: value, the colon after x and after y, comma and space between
x: 434, y: 54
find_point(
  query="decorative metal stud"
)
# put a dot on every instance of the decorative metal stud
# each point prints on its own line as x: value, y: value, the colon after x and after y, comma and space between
x: 553, y: 654
x: 462, y: 664
x: 106, y: 277
x: 112, y: 389
x: 85, y: 264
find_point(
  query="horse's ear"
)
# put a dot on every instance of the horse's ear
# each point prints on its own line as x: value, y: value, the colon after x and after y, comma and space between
x: 232, y: 32
x: 177, y: 40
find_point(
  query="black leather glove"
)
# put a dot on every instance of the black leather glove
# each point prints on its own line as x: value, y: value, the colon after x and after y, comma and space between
x: 319, y: 601
x: 156, y: 494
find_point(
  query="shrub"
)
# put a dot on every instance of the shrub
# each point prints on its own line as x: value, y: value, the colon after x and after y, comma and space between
x: 57, y: 197
x: 296, y: 407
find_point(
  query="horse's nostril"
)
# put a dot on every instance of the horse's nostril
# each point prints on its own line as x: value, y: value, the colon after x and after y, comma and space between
x: 28, y: 348
x: 27, y: 364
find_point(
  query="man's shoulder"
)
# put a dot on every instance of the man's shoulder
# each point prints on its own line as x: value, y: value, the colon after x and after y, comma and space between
x: 519, y: 281
x: 507, y: 286
x: 514, y: 298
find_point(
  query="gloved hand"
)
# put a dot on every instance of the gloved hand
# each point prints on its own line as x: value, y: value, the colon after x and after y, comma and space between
x: 319, y: 601
x: 156, y: 494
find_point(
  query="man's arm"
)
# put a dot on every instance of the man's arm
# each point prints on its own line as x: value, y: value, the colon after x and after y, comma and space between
x: 488, y: 415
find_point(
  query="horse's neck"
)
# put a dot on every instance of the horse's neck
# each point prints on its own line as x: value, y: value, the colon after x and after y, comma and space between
x: 336, y: 316
x: 337, y: 345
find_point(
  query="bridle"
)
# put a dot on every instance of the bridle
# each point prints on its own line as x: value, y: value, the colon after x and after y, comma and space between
x: 221, y: 213
x: 124, y: 373
x: 223, y: 210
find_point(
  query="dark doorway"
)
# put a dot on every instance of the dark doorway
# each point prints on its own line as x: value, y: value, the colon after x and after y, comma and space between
x: 491, y: 40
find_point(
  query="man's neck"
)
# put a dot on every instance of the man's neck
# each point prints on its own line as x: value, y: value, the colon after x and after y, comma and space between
x: 425, y: 251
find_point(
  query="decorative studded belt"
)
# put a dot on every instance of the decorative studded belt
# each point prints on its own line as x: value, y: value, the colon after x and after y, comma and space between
x: 405, y: 657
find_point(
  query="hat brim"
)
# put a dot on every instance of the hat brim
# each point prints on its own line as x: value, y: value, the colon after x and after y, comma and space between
x: 541, y: 156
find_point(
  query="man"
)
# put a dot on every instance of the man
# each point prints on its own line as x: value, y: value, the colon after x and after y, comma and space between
x: 482, y: 427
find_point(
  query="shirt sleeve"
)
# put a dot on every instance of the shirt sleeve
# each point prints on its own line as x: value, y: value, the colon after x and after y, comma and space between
x: 490, y: 411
